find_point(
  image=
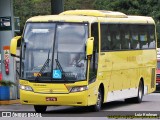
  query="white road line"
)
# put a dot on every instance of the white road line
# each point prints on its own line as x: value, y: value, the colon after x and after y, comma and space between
x: 157, y: 94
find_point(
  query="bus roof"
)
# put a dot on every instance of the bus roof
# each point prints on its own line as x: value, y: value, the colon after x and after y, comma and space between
x: 93, y: 16
x: 62, y: 18
x: 95, y: 13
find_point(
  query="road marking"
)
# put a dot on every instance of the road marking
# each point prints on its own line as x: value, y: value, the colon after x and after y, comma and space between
x: 156, y: 94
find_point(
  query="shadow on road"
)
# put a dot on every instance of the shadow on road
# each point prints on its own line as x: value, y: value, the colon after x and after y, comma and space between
x: 157, y: 89
x: 70, y: 110
x: 82, y: 110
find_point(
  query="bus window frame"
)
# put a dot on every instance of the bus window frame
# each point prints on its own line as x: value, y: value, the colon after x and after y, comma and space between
x: 147, y: 25
x: 55, y: 81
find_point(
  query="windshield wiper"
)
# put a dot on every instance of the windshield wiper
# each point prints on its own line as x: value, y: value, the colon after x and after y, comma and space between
x: 61, y: 69
x: 43, y: 67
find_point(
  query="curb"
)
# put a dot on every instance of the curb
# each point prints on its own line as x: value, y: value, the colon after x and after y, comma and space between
x: 9, y: 102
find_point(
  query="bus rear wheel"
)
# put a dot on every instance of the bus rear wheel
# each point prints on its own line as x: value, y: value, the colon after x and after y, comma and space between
x: 139, y: 97
x: 40, y: 108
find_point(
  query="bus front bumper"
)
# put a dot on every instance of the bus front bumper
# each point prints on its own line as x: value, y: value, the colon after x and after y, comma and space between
x: 71, y: 99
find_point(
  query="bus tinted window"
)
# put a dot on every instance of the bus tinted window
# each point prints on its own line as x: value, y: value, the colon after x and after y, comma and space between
x: 125, y: 37
x: 110, y: 37
x: 105, y: 38
x: 94, y: 60
x: 115, y: 36
x: 134, y: 37
x: 142, y: 29
x: 151, y: 36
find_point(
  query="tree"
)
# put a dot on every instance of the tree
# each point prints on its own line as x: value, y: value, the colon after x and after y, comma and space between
x: 133, y: 7
x: 28, y: 8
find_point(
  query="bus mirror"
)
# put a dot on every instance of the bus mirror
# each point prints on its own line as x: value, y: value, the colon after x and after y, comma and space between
x: 13, y: 46
x: 89, y: 45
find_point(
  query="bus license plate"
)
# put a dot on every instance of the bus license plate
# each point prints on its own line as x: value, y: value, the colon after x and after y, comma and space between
x: 51, y: 99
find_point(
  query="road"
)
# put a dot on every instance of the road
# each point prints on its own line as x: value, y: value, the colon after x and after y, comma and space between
x: 150, y: 104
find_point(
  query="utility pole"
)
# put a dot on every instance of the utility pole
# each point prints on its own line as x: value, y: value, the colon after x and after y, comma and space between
x: 57, y: 6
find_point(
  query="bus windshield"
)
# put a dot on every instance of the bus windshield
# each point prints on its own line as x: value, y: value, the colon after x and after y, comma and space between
x: 54, y: 52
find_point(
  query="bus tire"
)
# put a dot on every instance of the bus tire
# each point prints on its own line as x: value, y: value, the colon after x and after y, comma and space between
x: 40, y: 108
x: 139, y: 97
x: 98, y: 105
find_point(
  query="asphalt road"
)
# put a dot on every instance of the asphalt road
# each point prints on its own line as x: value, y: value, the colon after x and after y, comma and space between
x: 150, y: 104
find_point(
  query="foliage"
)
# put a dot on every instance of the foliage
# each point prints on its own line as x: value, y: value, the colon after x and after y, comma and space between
x: 27, y: 8
x: 72, y: 4
x: 134, y: 7
x: 7, y: 83
x: 78, y: 4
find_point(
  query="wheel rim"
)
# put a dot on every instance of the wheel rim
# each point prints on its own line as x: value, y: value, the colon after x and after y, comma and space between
x: 99, y: 100
x: 140, y: 92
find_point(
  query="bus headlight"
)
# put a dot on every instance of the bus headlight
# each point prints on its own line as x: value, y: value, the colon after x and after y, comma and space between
x: 79, y: 89
x: 25, y: 87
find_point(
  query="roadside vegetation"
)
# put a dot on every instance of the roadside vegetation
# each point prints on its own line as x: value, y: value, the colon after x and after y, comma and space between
x: 27, y: 8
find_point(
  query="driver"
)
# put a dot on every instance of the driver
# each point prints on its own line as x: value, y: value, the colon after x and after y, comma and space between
x: 76, y: 60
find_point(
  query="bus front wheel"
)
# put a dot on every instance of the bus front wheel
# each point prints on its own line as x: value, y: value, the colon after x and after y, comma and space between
x: 98, y: 105
x: 40, y: 108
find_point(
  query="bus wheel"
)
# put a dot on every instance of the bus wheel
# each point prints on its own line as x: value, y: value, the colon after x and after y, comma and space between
x: 40, y: 108
x: 98, y: 105
x: 139, y: 97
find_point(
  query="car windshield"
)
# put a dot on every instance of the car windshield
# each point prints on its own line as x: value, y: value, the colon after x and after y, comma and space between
x: 54, y: 52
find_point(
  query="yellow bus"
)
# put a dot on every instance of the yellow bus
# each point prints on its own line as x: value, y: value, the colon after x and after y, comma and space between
x: 86, y: 58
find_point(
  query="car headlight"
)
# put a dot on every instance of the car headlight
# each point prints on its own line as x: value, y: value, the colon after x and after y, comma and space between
x: 25, y: 87
x: 79, y: 89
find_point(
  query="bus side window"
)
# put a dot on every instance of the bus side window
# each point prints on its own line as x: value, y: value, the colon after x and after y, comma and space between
x: 143, y: 36
x: 151, y: 36
x: 94, y: 60
x: 134, y: 37
x: 125, y: 37
x: 105, y: 38
x: 115, y: 36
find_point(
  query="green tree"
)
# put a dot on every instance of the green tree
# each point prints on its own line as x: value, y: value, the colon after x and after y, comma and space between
x: 78, y: 4
x: 72, y: 4
x: 28, y: 8
x: 133, y: 7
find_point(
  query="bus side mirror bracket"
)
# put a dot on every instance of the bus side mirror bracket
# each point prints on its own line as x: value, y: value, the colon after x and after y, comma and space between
x: 13, y: 46
x: 89, y: 47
